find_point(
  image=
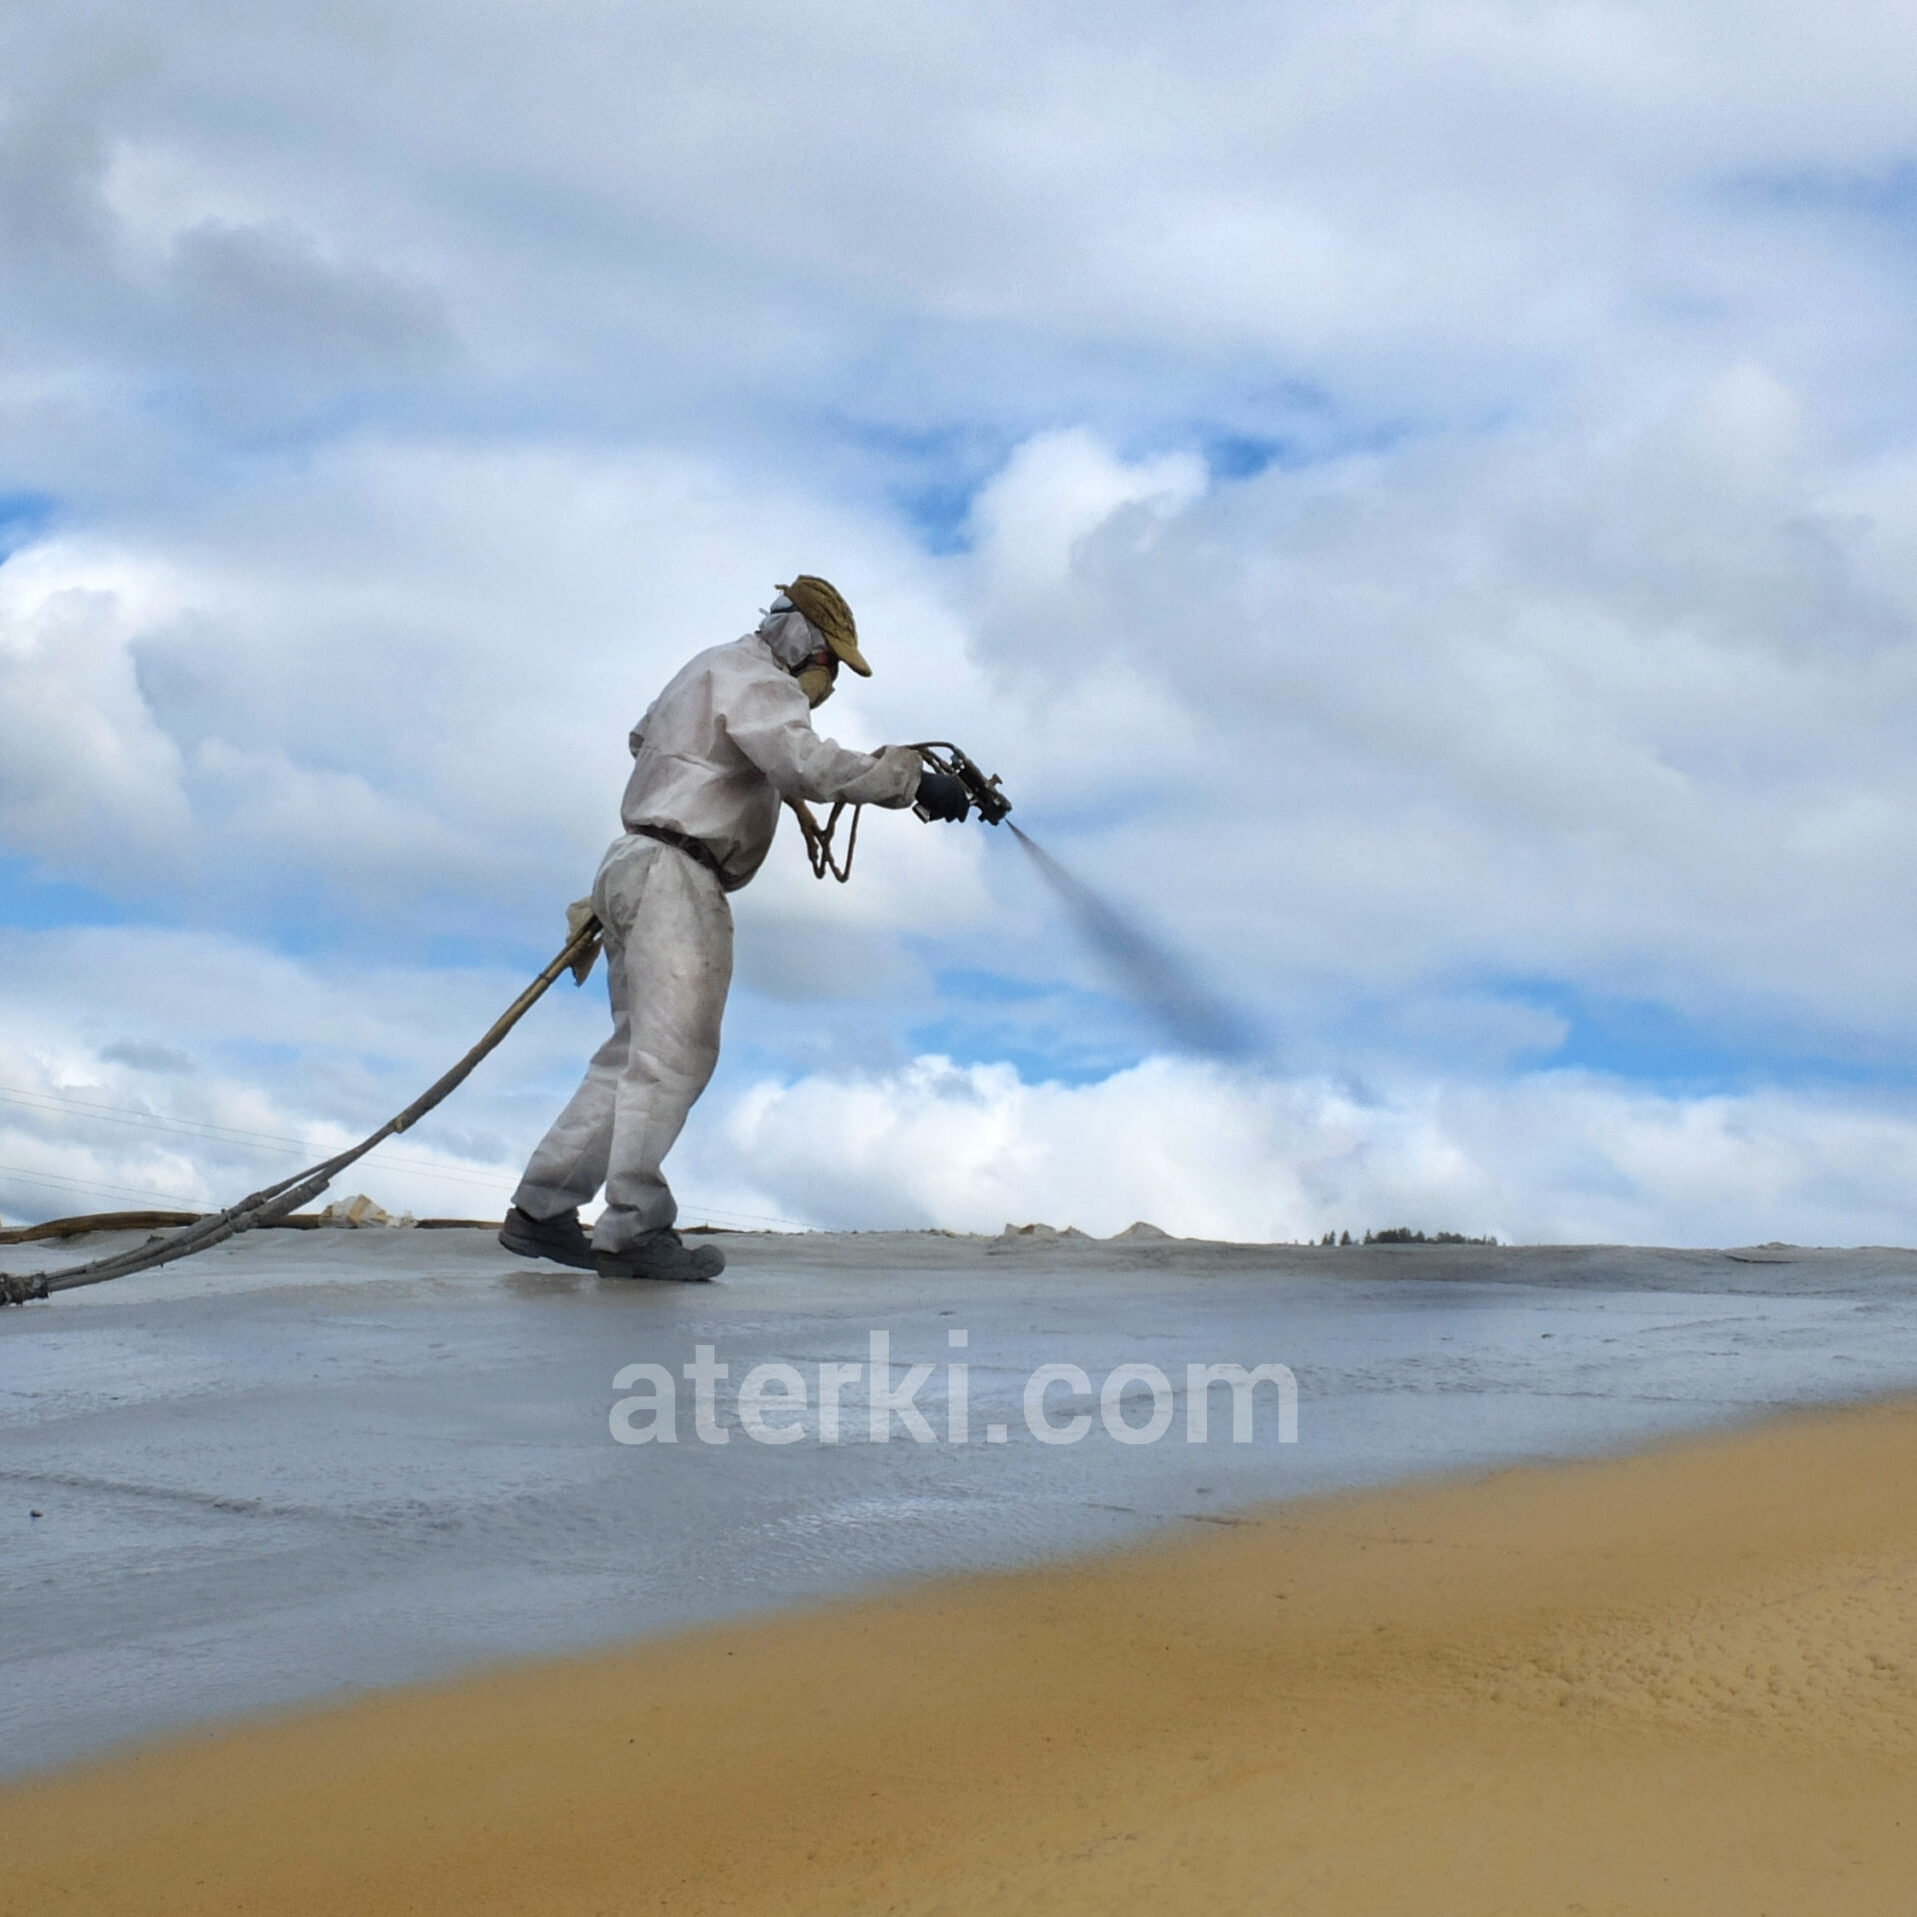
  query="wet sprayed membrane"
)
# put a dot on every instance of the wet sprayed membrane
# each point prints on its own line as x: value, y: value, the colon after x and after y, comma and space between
x: 318, y: 1461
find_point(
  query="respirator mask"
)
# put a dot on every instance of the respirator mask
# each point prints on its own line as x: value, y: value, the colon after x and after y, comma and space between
x: 817, y: 676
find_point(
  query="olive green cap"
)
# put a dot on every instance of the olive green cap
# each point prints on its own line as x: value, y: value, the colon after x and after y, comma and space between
x: 828, y: 614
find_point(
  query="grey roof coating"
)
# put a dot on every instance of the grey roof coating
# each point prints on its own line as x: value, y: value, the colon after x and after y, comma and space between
x: 311, y: 1462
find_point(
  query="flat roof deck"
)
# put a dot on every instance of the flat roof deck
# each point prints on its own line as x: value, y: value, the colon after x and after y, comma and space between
x: 309, y: 1462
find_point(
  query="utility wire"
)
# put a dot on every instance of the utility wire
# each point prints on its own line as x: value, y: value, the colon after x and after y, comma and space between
x: 274, y: 1202
x: 90, y: 1110
x: 53, y: 1179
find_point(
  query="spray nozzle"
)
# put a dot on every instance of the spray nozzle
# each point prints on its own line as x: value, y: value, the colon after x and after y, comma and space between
x: 943, y: 756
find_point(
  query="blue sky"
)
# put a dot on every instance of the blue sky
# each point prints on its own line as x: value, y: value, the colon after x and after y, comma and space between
x: 1419, y: 503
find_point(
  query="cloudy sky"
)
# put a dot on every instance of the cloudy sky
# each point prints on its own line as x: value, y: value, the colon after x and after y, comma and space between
x: 1417, y: 500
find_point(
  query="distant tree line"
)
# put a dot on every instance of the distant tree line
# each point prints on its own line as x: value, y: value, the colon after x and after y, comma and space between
x: 1404, y: 1235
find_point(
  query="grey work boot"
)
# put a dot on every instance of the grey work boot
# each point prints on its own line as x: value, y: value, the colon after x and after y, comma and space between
x: 562, y: 1239
x: 661, y: 1254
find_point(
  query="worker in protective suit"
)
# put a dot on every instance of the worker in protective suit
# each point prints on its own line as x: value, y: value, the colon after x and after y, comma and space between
x: 721, y: 747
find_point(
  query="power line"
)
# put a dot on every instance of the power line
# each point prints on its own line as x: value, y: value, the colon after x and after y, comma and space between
x: 132, y: 1115
x: 88, y: 1109
x: 96, y: 1111
x: 51, y: 1180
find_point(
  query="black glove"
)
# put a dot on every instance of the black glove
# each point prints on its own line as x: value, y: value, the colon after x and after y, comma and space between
x: 940, y: 796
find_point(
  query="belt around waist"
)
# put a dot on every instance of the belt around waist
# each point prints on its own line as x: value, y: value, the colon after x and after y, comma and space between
x: 695, y: 849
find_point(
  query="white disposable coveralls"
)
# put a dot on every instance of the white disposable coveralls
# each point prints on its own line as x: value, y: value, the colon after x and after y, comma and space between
x: 719, y: 749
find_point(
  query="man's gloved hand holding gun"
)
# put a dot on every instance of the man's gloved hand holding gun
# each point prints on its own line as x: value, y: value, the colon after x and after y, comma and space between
x: 942, y: 797
x: 952, y: 784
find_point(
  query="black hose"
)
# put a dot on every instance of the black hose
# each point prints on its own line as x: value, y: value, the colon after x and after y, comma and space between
x: 273, y: 1202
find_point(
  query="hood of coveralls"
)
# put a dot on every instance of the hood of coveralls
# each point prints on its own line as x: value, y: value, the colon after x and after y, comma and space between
x: 792, y: 639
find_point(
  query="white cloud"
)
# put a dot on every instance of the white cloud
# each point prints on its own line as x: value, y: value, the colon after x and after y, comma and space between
x: 1629, y: 712
x: 403, y: 677
x: 1057, y: 489
x: 735, y: 214
x: 139, y: 1064
x: 410, y: 393
x: 87, y: 781
x: 1559, y: 1157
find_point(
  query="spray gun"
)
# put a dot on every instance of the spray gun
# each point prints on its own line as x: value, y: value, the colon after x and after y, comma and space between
x: 940, y: 755
x: 943, y: 756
